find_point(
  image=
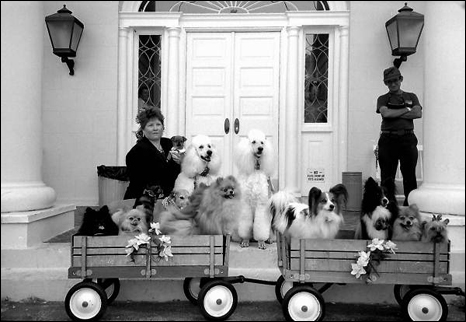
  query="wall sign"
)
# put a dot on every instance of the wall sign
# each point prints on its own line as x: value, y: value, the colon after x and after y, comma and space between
x: 316, y: 175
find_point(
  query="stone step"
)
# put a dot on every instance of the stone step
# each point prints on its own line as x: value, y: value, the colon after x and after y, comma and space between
x: 42, y: 272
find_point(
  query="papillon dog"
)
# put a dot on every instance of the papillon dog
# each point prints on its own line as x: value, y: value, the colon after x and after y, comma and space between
x: 321, y: 218
x: 379, y: 209
x: 407, y: 226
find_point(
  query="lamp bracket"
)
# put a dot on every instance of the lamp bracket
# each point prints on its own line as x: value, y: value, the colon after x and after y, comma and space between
x: 69, y: 63
x: 397, y: 62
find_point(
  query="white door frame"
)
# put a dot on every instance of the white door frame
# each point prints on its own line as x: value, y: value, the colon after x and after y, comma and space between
x: 173, y: 27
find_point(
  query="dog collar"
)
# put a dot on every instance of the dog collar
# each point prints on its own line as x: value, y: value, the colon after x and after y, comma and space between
x: 205, y: 172
x: 257, y: 166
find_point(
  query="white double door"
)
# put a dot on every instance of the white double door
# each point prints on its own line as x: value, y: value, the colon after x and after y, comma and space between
x: 232, y: 87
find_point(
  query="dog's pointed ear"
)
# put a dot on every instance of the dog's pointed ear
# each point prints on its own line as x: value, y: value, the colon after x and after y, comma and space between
x: 446, y: 221
x: 173, y: 137
x: 104, y: 209
x: 219, y: 180
x: 314, y: 195
x: 184, y: 139
x: 340, y: 191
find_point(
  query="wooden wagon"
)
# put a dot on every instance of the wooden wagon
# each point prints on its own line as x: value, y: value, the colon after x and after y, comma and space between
x: 102, y: 260
x: 419, y: 272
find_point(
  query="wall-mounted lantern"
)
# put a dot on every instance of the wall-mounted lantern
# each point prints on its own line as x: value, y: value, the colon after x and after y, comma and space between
x: 65, y: 33
x: 404, y: 31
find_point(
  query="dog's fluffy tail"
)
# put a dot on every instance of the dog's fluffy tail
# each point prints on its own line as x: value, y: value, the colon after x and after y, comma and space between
x: 277, y: 206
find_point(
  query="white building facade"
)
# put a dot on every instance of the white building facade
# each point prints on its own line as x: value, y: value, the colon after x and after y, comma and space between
x: 223, y: 70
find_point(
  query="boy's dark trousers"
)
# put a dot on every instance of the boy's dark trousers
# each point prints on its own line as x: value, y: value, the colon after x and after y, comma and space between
x: 402, y: 148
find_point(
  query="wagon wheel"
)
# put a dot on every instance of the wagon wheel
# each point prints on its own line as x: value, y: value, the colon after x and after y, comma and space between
x: 217, y: 300
x: 111, y: 287
x: 281, y: 287
x: 191, y: 288
x: 303, y: 303
x: 424, y: 304
x: 86, y: 301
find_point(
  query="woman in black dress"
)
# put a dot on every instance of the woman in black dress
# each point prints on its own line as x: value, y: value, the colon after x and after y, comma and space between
x: 150, y: 161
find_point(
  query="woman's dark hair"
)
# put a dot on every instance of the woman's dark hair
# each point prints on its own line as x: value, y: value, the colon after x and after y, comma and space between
x: 145, y: 115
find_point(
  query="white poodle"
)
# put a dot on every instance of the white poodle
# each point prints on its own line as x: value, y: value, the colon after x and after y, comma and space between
x: 200, y: 164
x: 254, y: 158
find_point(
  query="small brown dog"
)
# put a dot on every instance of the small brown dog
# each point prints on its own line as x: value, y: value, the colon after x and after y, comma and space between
x: 131, y: 222
x: 407, y: 225
x: 435, y: 231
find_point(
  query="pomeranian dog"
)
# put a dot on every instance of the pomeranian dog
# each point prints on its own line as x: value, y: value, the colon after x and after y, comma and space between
x: 176, y: 200
x: 180, y: 222
x: 133, y: 221
x: 201, y: 164
x: 255, y: 161
x: 321, y: 218
x: 407, y: 226
x: 223, y: 211
x: 378, y: 210
x: 217, y: 209
x: 97, y: 223
x: 435, y: 231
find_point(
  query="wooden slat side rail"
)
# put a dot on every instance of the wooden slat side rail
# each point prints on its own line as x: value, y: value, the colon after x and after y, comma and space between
x: 359, y: 245
x: 115, y: 241
x: 108, y: 251
x: 309, y: 254
x: 408, y: 267
x: 386, y: 278
x: 121, y: 250
x: 139, y: 272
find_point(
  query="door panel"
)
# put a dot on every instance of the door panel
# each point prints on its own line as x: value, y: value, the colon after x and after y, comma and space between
x: 234, y: 76
x: 208, y: 88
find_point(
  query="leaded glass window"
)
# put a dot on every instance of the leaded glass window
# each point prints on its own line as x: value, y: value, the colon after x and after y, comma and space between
x: 150, y: 71
x: 316, y: 78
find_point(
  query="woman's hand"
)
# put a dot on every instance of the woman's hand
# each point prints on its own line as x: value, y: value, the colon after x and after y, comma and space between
x: 175, y: 155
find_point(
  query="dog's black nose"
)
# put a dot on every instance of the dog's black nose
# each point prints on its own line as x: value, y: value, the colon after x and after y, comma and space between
x: 260, y: 149
x: 332, y: 207
x: 209, y: 152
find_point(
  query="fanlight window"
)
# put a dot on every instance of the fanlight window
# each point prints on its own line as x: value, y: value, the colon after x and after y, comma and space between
x: 232, y: 7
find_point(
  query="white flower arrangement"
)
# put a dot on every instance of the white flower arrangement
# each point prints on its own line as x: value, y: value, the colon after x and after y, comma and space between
x: 367, y: 261
x: 162, y: 243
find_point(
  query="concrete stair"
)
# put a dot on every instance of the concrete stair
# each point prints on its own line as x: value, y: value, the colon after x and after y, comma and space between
x: 42, y: 272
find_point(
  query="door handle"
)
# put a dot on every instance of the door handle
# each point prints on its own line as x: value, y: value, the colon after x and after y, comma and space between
x: 226, y: 125
x: 236, y: 126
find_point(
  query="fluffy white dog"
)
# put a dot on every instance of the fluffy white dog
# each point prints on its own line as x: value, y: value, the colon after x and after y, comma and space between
x: 201, y: 164
x: 254, y: 158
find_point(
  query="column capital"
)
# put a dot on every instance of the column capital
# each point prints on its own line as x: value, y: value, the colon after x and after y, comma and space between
x: 174, y: 31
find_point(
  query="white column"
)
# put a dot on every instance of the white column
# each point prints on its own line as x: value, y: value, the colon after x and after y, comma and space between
x: 343, y: 103
x: 171, y: 114
x: 443, y: 189
x: 123, y: 112
x: 292, y: 109
x: 21, y: 68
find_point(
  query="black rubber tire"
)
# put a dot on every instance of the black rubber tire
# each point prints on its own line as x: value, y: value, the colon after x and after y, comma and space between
x: 111, y: 287
x: 217, y: 300
x: 190, y: 291
x: 424, y: 304
x: 303, y: 303
x: 86, y: 301
x: 281, y: 287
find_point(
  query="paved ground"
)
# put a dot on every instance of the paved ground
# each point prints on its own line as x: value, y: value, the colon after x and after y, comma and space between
x: 37, y: 310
